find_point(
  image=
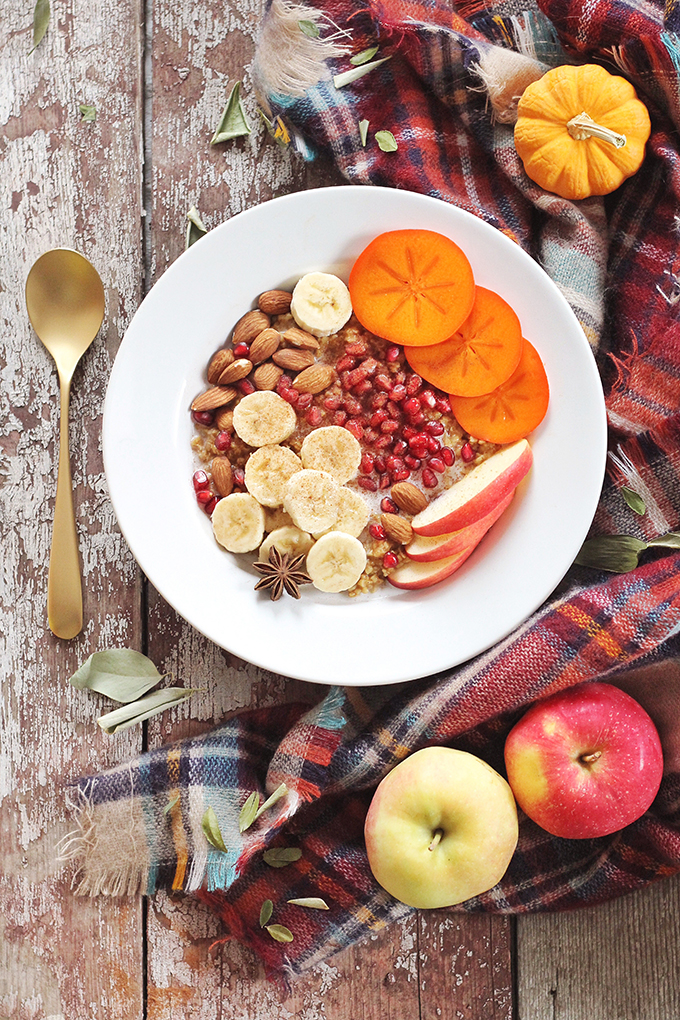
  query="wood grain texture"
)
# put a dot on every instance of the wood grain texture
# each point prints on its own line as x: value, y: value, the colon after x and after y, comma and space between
x: 64, y: 192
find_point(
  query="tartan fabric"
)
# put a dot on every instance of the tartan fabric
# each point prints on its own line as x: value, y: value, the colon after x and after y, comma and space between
x: 616, y: 261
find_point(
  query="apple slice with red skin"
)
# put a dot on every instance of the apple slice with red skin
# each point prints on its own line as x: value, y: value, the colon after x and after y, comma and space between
x: 427, y: 550
x: 477, y: 493
x: 411, y: 575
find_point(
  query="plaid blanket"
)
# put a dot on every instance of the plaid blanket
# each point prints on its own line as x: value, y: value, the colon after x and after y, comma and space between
x: 616, y: 260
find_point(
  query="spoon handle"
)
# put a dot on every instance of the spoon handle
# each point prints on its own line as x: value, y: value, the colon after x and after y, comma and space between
x: 64, y: 592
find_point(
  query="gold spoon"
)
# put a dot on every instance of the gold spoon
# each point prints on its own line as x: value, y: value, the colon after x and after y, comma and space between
x: 65, y: 302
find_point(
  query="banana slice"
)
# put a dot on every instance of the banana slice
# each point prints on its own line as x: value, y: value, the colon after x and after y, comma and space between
x: 267, y: 472
x: 321, y: 304
x: 276, y: 518
x: 264, y: 419
x: 311, y: 499
x: 288, y: 540
x: 332, y: 449
x: 238, y: 522
x: 336, y: 561
x: 353, y: 513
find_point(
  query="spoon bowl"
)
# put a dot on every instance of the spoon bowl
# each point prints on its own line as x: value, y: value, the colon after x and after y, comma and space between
x: 65, y: 302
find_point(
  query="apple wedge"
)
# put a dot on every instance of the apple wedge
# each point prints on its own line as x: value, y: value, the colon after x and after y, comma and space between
x: 411, y: 575
x: 477, y: 493
x: 427, y: 550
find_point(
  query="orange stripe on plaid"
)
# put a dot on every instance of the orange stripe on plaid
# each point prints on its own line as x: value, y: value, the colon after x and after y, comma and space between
x: 606, y: 642
x: 178, y: 835
x: 387, y: 740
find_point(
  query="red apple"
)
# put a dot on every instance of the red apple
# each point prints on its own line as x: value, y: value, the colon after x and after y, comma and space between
x: 584, y: 762
x: 477, y: 493
x: 411, y: 575
x: 427, y: 549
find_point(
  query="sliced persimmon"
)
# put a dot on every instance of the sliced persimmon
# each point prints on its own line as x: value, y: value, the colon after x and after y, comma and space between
x: 412, y: 287
x: 482, y: 353
x: 513, y: 409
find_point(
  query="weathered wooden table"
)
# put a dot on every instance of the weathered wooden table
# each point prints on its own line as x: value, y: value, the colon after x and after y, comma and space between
x: 118, y: 190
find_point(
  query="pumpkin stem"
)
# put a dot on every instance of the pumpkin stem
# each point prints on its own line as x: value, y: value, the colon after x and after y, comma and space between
x: 583, y: 126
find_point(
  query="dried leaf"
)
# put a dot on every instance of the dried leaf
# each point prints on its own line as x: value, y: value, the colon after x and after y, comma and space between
x: 278, y: 793
x: 172, y: 804
x: 386, y: 141
x: 211, y: 830
x: 121, y: 674
x: 195, y: 228
x: 248, y: 812
x: 88, y: 113
x: 281, y: 856
x: 41, y: 19
x: 144, y: 708
x: 634, y: 500
x: 266, y: 911
x: 363, y: 131
x: 313, y: 902
x: 280, y: 933
x: 617, y: 553
x: 340, y: 80
x: 233, y: 123
x: 668, y: 541
x: 309, y: 28
x: 364, y: 56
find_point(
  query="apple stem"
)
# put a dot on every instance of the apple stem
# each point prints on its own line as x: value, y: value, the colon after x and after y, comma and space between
x: 436, y: 838
x: 591, y: 757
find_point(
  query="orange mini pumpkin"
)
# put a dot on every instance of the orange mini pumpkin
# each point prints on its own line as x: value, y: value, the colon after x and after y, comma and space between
x: 581, y: 131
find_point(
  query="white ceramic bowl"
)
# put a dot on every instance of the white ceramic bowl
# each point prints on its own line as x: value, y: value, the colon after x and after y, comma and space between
x: 390, y: 635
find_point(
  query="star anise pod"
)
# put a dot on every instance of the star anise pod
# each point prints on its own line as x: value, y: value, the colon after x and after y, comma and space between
x: 281, y: 574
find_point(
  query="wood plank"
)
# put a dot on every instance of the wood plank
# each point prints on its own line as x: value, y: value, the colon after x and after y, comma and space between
x: 618, y: 961
x: 73, y: 184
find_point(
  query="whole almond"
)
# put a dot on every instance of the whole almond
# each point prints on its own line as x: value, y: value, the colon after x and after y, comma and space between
x: 287, y: 357
x: 249, y: 325
x: 314, y: 379
x: 219, y: 361
x: 409, y: 497
x: 397, y: 528
x: 238, y: 369
x: 217, y: 396
x: 224, y: 420
x: 275, y: 302
x: 264, y: 345
x: 222, y: 475
x: 301, y: 338
x: 266, y: 376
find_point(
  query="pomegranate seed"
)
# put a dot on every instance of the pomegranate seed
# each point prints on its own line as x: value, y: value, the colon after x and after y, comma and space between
x: 379, y: 400
x: 352, y: 406
x: 246, y: 387
x: 412, y: 462
x: 204, y: 496
x: 393, y: 410
x: 408, y: 432
x: 222, y: 441
x: 389, y: 427
x: 437, y: 464
x: 344, y: 381
x: 377, y: 532
x: 383, y: 383
x: 382, y: 442
x: 356, y: 376
x: 380, y: 465
x: 429, y: 478
x: 392, y: 354
x: 417, y: 419
x: 345, y: 364
x: 304, y: 401
x: 413, y: 384
x: 332, y: 403
x: 356, y: 428
x: 434, y: 428
x: 433, y: 445
x: 200, y: 481
x: 285, y: 382
x: 290, y: 396
x: 394, y: 463
x: 204, y: 418
x: 357, y: 348
x: 314, y: 416
x: 378, y: 417
x: 400, y: 378
x: 399, y: 447
x: 241, y: 350
x: 340, y: 417
x: 209, y: 507
x: 411, y: 406
x: 448, y: 456
x: 367, y: 464
x: 385, y: 481
x: 370, y: 436
x: 443, y: 405
x: 398, y: 393
x: 365, y: 386
x: 238, y: 477
x: 428, y: 399
x: 467, y: 453
x: 367, y: 483
x: 388, y: 506
x: 390, y: 560
x: 401, y: 476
